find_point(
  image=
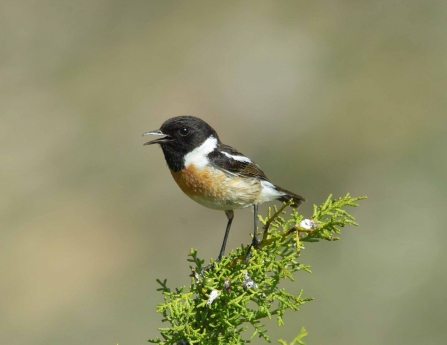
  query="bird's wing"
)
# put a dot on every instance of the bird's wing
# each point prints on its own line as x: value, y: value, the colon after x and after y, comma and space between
x: 231, y: 160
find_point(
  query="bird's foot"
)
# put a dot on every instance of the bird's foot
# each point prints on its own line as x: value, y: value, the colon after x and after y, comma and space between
x: 206, y: 268
x: 254, y: 244
x: 212, y: 265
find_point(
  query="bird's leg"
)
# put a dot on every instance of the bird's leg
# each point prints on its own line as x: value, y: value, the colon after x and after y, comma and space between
x: 254, y: 242
x: 230, y: 216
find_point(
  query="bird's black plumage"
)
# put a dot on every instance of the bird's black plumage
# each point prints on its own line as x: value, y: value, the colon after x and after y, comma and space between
x: 214, y: 174
x: 241, y: 168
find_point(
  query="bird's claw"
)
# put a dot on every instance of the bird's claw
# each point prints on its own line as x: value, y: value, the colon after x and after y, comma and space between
x: 212, y: 265
x: 254, y: 244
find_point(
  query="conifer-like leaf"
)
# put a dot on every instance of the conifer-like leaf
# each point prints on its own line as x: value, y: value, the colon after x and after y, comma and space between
x: 222, y: 301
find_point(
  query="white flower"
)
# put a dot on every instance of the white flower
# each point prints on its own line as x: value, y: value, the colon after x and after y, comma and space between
x: 213, y: 296
x: 248, y: 283
x: 308, y: 224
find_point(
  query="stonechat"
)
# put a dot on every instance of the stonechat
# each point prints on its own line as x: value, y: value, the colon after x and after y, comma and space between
x: 214, y: 174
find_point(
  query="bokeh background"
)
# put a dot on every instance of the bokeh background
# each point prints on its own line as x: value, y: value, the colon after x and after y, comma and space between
x: 327, y: 97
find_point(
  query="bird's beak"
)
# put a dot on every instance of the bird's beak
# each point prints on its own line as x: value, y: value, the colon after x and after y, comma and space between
x: 157, y: 141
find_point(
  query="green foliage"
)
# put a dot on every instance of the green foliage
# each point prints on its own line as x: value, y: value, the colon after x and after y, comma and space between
x: 297, y: 340
x: 222, y: 302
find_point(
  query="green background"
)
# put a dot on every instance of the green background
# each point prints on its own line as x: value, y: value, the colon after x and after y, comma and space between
x: 327, y: 97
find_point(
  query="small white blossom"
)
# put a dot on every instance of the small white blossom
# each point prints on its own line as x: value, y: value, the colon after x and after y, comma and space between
x: 248, y: 283
x: 213, y: 296
x: 308, y: 224
x: 195, y: 275
x: 227, y: 285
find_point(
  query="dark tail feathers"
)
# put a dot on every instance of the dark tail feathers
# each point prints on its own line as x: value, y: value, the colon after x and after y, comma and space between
x: 297, y: 199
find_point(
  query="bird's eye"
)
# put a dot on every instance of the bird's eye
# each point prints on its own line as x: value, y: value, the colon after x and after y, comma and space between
x: 184, y: 131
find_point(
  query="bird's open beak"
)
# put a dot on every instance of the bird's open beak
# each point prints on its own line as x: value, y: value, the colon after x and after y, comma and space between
x: 157, y: 141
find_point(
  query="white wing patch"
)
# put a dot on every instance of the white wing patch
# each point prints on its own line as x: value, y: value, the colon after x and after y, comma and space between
x: 198, y: 156
x: 268, y: 192
x: 237, y: 158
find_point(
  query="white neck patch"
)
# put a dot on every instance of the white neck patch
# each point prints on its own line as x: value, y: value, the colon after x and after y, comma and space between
x: 198, y: 156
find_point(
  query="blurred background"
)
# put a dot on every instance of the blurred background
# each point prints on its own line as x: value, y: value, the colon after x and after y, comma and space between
x: 330, y: 97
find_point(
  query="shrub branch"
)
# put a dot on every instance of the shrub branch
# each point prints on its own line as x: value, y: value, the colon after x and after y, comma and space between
x: 224, y: 302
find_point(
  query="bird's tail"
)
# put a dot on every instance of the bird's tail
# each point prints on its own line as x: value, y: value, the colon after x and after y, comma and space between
x: 297, y: 199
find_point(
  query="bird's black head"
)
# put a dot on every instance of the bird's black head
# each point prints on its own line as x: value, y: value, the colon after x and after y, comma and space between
x: 182, y: 134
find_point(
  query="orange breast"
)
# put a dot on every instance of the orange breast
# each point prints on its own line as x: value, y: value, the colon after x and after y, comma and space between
x: 216, y: 189
x: 202, y: 182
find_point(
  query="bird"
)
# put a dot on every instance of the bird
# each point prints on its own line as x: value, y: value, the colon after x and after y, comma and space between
x: 216, y: 175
